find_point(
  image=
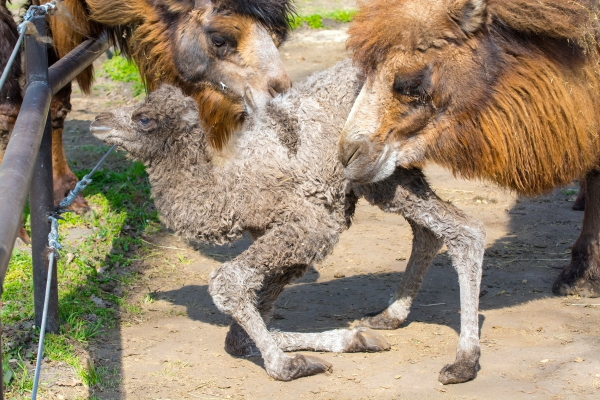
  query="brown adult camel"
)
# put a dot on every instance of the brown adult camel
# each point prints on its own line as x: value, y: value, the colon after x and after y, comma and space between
x: 218, y: 51
x: 499, y: 90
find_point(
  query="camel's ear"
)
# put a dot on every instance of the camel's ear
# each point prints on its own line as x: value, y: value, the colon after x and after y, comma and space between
x: 471, y: 15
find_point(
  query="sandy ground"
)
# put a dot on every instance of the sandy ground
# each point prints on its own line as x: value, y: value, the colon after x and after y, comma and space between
x: 534, y: 345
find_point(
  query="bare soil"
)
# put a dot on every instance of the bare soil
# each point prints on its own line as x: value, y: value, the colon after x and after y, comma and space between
x: 534, y: 345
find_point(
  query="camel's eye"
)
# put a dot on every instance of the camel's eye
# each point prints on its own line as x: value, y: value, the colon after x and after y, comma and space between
x: 223, y: 43
x: 415, y: 86
x: 218, y: 41
x: 145, y: 122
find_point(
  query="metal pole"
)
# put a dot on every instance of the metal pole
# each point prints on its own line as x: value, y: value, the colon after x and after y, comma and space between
x: 41, y: 202
x: 16, y: 169
x: 67, y: 68
x: 41, y: 195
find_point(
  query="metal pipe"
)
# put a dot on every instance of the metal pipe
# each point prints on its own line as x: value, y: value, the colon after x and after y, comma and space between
x: 17, y: 167
x: 41, y: 204
x: 41, y: 194
x: 67, y: 68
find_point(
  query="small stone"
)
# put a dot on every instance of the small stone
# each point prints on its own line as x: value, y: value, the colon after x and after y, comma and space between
x: 339, y: 275
x: 101, y: 270
x: 579, y: 359
x: 524, y: 282
x: 545, y: 360
x: 398, y: 377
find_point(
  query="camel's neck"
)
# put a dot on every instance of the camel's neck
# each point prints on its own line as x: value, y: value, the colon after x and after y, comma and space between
x: 280, y: 160
x: 538, y: 129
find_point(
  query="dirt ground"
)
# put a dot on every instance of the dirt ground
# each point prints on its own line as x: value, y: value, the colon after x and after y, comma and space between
x: 534, y: 345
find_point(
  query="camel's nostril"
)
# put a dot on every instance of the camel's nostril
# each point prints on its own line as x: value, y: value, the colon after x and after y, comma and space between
x: 349, y: 153
x: 104, y: 116
x: 100, y: 123
x: 272, y: 91
x: 279, y: 85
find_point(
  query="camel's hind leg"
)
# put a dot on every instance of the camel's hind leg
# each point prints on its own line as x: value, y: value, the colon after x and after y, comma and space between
x: 235, y: 285
x: 582, y: 276
x: 424, y: 249
x: 64, y: 179
x: 434, y: 221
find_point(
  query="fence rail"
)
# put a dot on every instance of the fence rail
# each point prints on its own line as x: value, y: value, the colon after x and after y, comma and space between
x: 27, y: 165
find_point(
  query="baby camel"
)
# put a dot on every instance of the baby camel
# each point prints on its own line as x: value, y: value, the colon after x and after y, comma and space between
x: 279, y: 179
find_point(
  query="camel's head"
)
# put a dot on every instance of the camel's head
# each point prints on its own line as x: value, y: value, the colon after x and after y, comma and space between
x: 426, y: 61
x: 165, y: 125
x: 222, y: 52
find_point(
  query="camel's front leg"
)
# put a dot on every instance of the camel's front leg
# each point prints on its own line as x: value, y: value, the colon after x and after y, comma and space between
x: 235, y: 285
x: 239, y: 344
x: 425, y: 247
x: 434, y: 222
x: 64, y: 179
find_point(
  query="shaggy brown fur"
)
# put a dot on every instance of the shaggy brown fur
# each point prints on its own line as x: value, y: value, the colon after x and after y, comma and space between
x: 155, y: 39
x: 542, y: 86
x: 220, y: 114
x: 10, y: 96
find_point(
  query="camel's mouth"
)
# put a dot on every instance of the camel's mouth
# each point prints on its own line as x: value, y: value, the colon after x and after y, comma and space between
x: 99, y: 130
x: 104, y: 132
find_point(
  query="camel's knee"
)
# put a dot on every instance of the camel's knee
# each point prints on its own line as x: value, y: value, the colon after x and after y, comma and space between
x: 469, y: 239
x: 232, y: 287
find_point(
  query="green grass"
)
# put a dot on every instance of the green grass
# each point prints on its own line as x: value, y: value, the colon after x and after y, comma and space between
x: 120, y: 69
x: 315, y: 21
x: 570, y: 192
x: 123, y: 212
x: 15, y: 5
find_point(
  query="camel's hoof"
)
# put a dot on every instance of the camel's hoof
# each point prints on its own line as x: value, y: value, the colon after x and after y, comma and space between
x: 80, y: 206
x: 366, y: 340
x: 23, y: 235
x: 300, y: 366
x: 579, y: 287
x: 578, y: 206
x: 380, y: 320
x: 458, y: 372
x: 239, y: 344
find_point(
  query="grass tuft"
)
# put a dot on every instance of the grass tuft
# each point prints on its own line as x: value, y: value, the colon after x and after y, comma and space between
x: 94, y: 271
x: 315, y: 21
x: 120, y: 69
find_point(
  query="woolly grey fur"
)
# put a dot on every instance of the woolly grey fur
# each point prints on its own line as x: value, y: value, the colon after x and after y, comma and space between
x: 280, y: 180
